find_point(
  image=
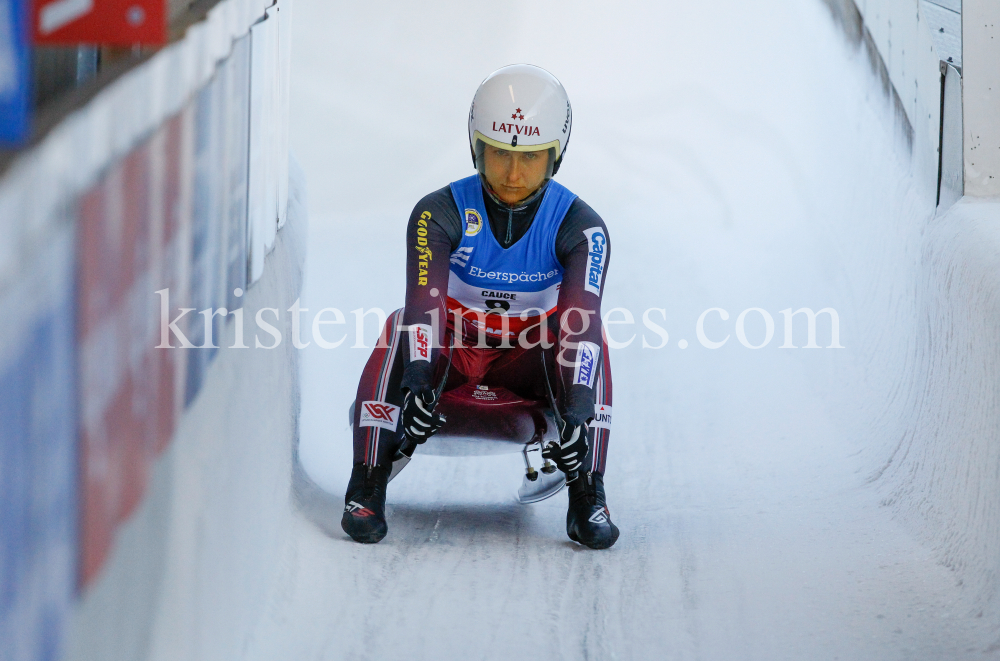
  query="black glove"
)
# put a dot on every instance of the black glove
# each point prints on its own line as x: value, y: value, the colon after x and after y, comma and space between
x: 571, y: 449
x: 419, y: 420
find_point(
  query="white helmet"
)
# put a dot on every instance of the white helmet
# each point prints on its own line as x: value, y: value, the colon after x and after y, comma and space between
x: 520, y: 107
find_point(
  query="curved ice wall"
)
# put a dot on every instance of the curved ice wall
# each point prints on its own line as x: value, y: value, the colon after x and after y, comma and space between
x: 928, y: 286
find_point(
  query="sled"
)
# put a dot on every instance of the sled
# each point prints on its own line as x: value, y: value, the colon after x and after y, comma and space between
x: 483, y: 420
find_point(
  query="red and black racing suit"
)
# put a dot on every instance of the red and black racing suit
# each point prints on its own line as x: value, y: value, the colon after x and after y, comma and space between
x: 519, y: 370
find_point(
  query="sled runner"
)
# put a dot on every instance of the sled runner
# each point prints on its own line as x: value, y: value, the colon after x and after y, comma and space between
x: 482, y: 420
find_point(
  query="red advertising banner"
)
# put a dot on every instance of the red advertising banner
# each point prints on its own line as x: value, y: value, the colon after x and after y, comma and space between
x: 113, y: 441
x: 133, y: 233
x: 108, y: 22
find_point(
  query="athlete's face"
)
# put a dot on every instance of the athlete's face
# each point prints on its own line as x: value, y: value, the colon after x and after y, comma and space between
x: 514, y: 175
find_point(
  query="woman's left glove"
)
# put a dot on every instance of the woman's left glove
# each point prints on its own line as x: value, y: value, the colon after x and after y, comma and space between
x: 571, y: 449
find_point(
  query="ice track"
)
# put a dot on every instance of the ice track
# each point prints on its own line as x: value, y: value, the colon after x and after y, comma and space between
x: 743, y: 156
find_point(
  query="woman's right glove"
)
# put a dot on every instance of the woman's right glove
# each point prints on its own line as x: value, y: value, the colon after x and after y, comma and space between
x: 571, y: 449
x: 419, y: 420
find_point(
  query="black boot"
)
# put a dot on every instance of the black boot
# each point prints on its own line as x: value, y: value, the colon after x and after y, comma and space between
x: 364, y: 504
x: 588, y: 520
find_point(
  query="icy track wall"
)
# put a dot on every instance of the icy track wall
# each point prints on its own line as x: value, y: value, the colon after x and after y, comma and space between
x: 136, y: 482
x: 929, y: 299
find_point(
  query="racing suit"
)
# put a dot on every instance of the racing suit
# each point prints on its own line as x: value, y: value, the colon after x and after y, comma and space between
x: 492, y: 300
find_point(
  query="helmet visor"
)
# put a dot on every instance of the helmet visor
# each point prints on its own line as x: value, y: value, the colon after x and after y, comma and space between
x: 535, y: 164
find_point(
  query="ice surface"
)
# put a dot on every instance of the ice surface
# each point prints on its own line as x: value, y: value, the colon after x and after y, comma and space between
x: 743, y: 157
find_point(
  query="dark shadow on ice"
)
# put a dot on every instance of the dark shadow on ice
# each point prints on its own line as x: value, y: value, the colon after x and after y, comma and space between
x: 458, y: 518
x: 416, y: 522
x: 482, y: 526
x: 318, y: 506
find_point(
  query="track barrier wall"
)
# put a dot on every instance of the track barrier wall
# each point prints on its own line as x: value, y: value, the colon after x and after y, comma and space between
x: 931, y: 370
x: 173, y: 178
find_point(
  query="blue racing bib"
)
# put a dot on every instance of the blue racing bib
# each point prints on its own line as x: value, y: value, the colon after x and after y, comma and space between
x: 524, y: 278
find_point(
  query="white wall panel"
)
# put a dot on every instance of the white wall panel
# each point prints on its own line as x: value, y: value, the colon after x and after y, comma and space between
x: 946, y: 31
x: 260, y: 214
x: 902, y: 36
x: 981, y: 96
x: 270, y: 110
x: 284, y: 15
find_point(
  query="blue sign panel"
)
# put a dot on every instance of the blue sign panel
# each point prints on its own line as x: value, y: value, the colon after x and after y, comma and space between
x: 206, y: 226
x: 15, y: 73
x: 38, y: 460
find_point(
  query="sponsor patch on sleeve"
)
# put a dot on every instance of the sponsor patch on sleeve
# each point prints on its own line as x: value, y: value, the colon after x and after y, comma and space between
x: 420, y: 342
x: 379, y: 414
x: 585, y: 368
x: 424, y: 254
x: 598, y: 258
x: 602, y: 416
